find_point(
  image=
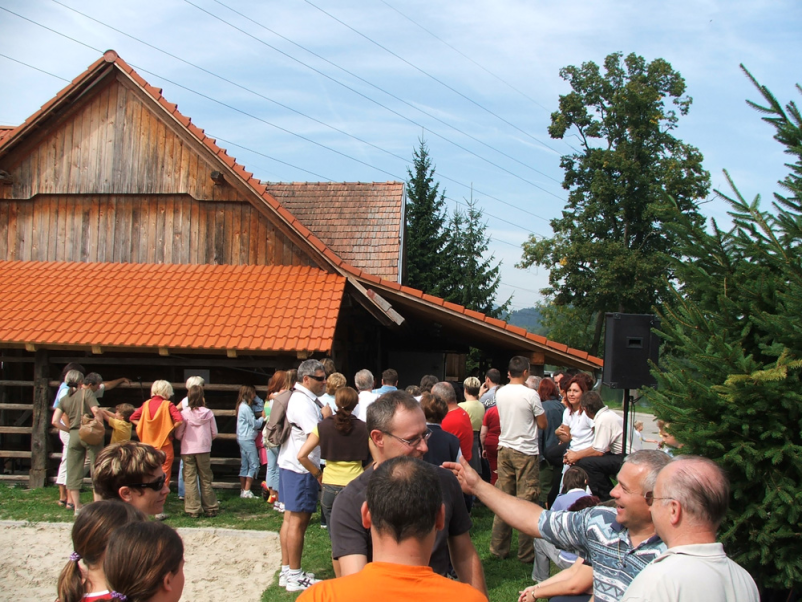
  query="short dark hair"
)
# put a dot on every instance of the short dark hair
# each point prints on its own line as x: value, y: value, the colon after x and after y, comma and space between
x: 404, y: 497
x: 591, y: 401
x: 382, y: 411
x: 126, y: 410
x: 428, y: 381
x: 494, y: 376
x: 93, y: 378
x: 574, y: 478
x: 390, y: 377
x: 517, y: 366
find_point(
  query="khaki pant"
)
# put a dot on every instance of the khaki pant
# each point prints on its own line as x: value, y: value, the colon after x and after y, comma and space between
x: 518, y: 475
x: 198, y: 467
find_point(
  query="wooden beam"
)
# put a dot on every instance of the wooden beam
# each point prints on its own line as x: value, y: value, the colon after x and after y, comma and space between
x: 41, y: 420
x: 15, y: 430
x: 16, y: 406
x: 163, y: 351
x: 30, y: 347
x: 302, y: 354
x: 231, y: 353
x: 97, y: 350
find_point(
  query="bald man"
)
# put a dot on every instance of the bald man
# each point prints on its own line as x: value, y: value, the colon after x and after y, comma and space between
x: 689, y: 501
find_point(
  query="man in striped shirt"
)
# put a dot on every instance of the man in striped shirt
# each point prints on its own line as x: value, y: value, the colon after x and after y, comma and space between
x: 619, y: 542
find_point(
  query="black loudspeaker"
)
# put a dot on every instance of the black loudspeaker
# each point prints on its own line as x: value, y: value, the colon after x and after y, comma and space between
x: 629, y: 344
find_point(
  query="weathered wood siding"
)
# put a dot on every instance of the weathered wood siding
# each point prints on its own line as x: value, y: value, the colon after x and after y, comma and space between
x: 113, y: 143
x: 114, y: 179
x: 136, y: 229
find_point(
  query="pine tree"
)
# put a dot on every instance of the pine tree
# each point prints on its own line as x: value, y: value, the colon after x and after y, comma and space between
x: 731, y: 384
x: 425, y: 217
x: 469, y: 278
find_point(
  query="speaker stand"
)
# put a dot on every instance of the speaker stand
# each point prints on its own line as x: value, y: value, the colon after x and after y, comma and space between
x: 627, y: 402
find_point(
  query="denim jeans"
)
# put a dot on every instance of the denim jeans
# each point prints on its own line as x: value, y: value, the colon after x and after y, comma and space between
x: 330, y: 493
x: 249, y: 466
x: 272, y: 468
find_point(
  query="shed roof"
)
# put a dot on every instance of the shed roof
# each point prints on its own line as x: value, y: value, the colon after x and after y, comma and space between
x: 175, y: 307
x: 360, y: 222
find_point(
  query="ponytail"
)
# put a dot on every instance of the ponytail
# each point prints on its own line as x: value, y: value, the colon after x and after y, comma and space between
x: 346, y: 399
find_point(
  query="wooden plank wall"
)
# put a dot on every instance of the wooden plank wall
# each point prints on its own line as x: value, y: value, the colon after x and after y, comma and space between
x: 112, y: 143
x: 173, y: 229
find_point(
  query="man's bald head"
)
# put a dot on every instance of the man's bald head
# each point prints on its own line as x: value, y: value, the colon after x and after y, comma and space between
x: 699, y: 485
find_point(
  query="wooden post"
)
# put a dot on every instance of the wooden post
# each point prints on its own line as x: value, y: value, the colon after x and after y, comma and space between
x: 41, y: 415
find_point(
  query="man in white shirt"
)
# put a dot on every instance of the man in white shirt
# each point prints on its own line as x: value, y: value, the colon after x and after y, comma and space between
x: 520, y: 414
x: 364, y: 385
x: 689, y: 501
x: 603, y: 459
x: 298, y: 488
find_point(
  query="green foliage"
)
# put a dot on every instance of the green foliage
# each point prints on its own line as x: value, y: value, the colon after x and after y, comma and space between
x: 468, y: 278
x: 445, y: 255
x: 568, y: 324
x: 610, y: 249
x: 732, y: 385
x: 425, y: 237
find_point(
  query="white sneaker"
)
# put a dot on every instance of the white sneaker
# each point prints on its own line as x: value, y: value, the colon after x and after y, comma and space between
x: 282, y: 578
x: 248, y: 494
x: 300, y: 582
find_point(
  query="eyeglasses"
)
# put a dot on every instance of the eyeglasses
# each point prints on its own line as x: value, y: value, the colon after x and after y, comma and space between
x: 649, y: 497
x: 415, y: 441
x: 319, y: 379
x: 155, y: 485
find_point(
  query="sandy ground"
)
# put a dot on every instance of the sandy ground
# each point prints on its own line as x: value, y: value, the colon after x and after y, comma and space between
x: 219, y: 563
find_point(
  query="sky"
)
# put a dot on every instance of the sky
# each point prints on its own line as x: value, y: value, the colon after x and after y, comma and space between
x: 342, y: 90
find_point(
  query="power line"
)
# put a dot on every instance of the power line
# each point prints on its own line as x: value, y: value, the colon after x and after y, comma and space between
x: 376, y: 102
x: 260, y: 95
x: 142, y: 69
x: 64, y: 79
x: 429, y: 75
x: 380, y: 89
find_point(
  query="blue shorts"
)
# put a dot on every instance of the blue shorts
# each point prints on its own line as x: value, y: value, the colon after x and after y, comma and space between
x: 298, y: 492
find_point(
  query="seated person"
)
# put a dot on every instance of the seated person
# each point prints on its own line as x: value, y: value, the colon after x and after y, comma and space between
x: 132, y: 472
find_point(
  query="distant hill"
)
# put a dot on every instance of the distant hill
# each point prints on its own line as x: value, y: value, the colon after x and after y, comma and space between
x: 528, y: 318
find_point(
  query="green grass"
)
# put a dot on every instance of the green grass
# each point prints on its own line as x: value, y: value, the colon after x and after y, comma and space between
x: 505, y: 578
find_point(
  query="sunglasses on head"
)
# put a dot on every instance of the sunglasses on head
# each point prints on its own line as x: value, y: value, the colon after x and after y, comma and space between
x: 155, y: 485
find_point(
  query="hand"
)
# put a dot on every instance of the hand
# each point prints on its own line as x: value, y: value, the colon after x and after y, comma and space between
x: 484, y: 454
x: 326, y: 411
x: 483, y: 389
x: 528, y: 594
x: 127, y: 381
x: 570, y: 458
x: 468, y: 478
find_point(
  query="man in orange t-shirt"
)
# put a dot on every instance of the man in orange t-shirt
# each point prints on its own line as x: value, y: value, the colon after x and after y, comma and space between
x: 403, y: 535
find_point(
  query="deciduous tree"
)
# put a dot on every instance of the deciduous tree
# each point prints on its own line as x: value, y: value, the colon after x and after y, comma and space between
x: 610, y: 250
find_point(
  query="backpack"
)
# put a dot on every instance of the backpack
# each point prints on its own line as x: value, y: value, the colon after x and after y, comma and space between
x: 278, y: 428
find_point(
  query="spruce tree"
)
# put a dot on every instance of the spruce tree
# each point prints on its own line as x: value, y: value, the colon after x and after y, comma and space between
x: 731, y: 383
x: 425, y: 237
x: 469, y: 278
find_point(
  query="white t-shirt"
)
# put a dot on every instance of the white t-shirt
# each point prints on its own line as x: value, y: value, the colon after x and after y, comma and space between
x: 581, y: 429
x: 518, y: 406
x: 365, y: 399
x: 608, y: 431
x: 303, y: 412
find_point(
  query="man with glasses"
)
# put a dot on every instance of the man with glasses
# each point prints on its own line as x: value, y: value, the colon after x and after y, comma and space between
x: 298, y: 488
x: 132, y: 472
x: 397, y: 427
x: 619, y: 542
x: 689, y: 502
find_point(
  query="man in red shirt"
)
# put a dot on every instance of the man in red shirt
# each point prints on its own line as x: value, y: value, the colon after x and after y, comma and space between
x: 457, y: 422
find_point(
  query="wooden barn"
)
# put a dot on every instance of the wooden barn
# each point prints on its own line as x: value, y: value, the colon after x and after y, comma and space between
x: 132, y: 243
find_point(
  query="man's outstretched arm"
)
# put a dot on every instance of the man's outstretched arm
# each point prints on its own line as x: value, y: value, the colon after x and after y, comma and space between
x: 466, y: 561
x: 517, y: 513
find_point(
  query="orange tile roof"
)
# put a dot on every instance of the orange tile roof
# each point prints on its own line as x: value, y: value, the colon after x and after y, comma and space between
x: 360, y: 222
x: 248, y: 309
x: 5, y: 131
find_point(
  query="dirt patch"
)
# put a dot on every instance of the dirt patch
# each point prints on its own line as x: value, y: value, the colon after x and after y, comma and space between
x: 219, y: 563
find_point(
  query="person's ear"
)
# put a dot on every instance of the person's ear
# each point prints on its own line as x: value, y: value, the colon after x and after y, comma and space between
x: 167, y: 582
x: 125, y: 493
x: 377, y: 437
x: 365, y: 515
x: 440, y: 518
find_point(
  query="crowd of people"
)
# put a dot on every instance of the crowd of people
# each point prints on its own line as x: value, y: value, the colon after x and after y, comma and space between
x: 396, y: 474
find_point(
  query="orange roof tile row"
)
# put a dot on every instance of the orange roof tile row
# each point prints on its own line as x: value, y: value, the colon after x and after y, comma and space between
x: 198, y: 307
